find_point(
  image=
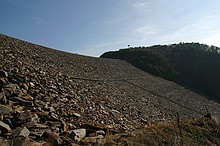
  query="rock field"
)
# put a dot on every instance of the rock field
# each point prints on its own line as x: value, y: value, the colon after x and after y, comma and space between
x: 49, y: 97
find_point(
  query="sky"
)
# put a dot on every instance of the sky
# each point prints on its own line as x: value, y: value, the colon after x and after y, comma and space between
x: 92, y: 27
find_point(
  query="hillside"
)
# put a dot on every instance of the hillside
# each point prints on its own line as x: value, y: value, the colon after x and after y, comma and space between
x: 53, y: 97
x: 193, y: 65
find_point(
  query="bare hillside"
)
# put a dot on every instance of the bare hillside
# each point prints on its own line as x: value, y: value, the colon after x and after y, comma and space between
x: 54, y: 93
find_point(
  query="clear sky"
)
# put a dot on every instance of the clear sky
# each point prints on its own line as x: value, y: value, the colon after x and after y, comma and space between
x: 92, y: 27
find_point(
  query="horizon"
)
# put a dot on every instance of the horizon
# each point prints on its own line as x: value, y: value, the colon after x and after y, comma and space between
x: 93, y: 27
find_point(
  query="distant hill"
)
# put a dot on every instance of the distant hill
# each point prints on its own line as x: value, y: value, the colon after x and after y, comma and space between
x: 194, y: 65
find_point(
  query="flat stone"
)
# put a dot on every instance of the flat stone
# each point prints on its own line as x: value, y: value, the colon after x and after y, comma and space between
x: 77, y: 115
x: 41, y: 126
x: 4, y: 128
x: 30, y: 124
x: 78, y: 134
x: 22, y: 101
x: 27, y: 97
x: 25, y: 116
x: 5, y: 109
x: 52, y: 109
x: 24, y: 132
x: 38, y: 133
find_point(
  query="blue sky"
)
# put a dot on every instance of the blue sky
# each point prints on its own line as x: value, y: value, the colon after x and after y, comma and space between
x: 92, y: 27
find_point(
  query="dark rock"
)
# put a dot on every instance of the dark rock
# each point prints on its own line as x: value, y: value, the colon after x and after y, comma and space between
x: 8, y: 122
x: 93, y: 140
x: 3, y: 74
x: 25, y: 116
x: 11, y: 90
x: 30, y: 124
x: 22, y: 101
x: 52, y: 138
x: 4, y: 128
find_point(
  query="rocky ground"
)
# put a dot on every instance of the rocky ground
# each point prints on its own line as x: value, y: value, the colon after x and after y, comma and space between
x: 49, y: 97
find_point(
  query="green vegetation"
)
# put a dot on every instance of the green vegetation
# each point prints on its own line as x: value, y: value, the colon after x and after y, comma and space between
x: 194, y: 65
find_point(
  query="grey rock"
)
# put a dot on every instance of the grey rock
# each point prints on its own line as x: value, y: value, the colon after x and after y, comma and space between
x: 3, y: 74
x: 25, y: 116
x: 10, y: 89
x: 30, y: 124
x: 52, y: 109
x: 78, y: 134
x: 5, y: 109
x: 2, y: 97
x: 24, y: 132
x: 22, y: 101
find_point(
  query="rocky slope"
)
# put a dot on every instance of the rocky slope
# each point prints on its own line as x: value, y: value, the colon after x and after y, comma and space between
x: 49, y: 96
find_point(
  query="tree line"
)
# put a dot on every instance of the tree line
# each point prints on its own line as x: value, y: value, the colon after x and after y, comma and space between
x: 193, y: 65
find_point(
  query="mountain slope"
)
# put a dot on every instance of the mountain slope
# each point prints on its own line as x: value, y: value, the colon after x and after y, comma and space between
x: 193, y: 65
x: 61, y: 92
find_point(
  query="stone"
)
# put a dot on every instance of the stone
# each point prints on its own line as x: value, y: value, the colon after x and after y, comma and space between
x: 3, y: 142
x: 38, y: 133
x: 41, y: 126
x: 3, y: 74
x: 20, y: 141
x: 35, y: 118
x: 5, y: 109
x: 78, y: 134
x: 64, y: 126
x: 100, y: 132
x: 22, y: 101
x: 10, y: 89
x: 52, y: 109
x: 3, y: 99
x: 25, y: 116
x: 9, y: 122
x: 52, y: 138
x: 32, y: 84
x: 24, y: 132
x: 27, y: 97
x: 77, y: 115
x: 30, y: 124
x: 92, y: 140
x: 2, y: 82
x: 4, y: 128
